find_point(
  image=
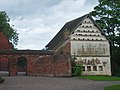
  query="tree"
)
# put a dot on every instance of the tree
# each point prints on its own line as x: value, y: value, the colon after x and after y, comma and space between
x: 107, y: 14
x: 5, y: 27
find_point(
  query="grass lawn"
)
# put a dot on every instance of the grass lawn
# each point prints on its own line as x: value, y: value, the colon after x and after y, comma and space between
x: 114, y: 87
x: 101, y: 78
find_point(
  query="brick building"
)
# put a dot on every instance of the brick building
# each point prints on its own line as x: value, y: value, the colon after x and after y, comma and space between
x: 80, y: 39
x: 83, y: 39
x: 32, y: 62
x: 4, y: 42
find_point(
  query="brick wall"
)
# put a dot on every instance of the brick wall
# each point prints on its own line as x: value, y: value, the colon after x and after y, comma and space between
x: 64, y: 49
x: 57, y: 64
x: 48, y: 65
x: 41, y: 65
x: 4, y: 64
x: 4, y: 42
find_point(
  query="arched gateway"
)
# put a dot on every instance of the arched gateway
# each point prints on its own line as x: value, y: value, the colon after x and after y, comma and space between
x: 22, y: 65
x: 4, y: 65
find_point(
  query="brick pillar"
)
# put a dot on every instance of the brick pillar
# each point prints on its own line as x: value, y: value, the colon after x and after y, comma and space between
x: 13, y: 67
x: 31, y: 67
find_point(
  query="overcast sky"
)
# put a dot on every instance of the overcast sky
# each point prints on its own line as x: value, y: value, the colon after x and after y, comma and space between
x: 38, y: 21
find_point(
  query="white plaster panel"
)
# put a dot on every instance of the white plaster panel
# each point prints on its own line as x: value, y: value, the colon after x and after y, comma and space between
x: 90, y: 48
x: 95, y: 61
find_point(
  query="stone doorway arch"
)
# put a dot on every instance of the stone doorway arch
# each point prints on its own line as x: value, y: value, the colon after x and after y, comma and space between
x: 22, y: 66
x: 4, y: 66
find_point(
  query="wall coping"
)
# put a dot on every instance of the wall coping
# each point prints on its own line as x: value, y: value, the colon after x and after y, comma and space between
x: 39, y: 52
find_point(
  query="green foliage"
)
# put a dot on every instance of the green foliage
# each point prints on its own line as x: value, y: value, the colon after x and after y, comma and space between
x: 1, y: 80
x: 101, y: 78
x: 5, y: 27
x: 77, y: 70
x: 114, y: 87
x: 107, y: 14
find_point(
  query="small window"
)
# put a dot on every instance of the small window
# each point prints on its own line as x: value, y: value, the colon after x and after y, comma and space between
x: 88, y: 68
x: 78, y: 30
x: 94, y: 68
x: 80, y: 24
x: 100, y: 39
x: 86, y: 26
x: 78, y: 38
x: 89, y: 21
x: 85, y: 21
x: 76, y: 34
x: 90, y: 26
x: 100, y: 68
x: 83, y: 68
x: 92, y: 30
x: 73, y: 38
x: 83, y: 26
x: 72, y: 32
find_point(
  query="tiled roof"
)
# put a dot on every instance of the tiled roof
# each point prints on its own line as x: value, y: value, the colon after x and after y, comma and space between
x: 40, y: 52
x: 71, y: 25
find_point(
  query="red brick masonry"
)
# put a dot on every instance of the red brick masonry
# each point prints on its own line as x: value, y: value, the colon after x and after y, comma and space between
x: 39, y: 62
x: 4, y: 42
x: 47, y: 65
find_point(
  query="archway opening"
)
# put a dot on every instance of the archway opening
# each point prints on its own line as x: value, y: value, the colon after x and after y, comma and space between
x: 22, y: 66
x: 4, y: 66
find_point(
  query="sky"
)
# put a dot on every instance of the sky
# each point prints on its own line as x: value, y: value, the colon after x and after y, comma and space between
x: 38, y: 21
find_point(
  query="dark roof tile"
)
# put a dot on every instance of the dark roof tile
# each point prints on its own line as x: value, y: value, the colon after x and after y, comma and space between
x: 71, y: 25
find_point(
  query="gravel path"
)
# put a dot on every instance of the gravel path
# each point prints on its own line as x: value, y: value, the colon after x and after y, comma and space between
x: 52, y: 83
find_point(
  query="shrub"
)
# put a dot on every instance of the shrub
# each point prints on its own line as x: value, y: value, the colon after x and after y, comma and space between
x: 1, y: 80
x: 77, y: 70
